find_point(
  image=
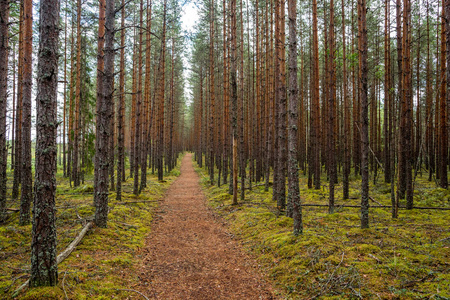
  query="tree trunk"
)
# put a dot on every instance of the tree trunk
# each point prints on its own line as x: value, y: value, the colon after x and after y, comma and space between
x: 27, y: 184
x: 362, y: 26
x: 44, y: 268
x: 234, y: 97
x: 315, y: 119
x: 100, y: 70
x: 211, y: 93
x: 101, y: 189
x: 4, y: 19
x: 293, y: 204
x: 121, y: 110
x: 18, y: 121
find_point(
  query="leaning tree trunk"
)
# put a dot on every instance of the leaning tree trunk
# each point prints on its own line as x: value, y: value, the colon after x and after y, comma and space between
x: 102, y: 166
x: 44, y: 268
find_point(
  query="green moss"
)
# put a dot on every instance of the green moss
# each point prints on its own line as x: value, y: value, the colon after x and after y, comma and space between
x: 105, y: 260
x: 48, y: 293
x: 406, y: 258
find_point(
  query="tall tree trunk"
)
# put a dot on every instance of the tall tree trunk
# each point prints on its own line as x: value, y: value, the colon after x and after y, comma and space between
x: 331, y: 114
x: 121, y: 110
x: 234, y: 97
x: 362, y: 26
x: 4, y: 19
x: 139, y: 110
x: 101, y: 189
x: 408, y: 111
x: 18, y: 121
x: 13, y: 128
x: 347, y: 116
x: 211, y: 93
x: 315, y: 119
x: 64, y: 150
x: 147, y: 98
x: 401, y: 159
x: 27, y: 184
x: 443, y: 145
x: 77, y: 112
x: 294, y: 204
x: 100, y: 70
x: 44, y: 268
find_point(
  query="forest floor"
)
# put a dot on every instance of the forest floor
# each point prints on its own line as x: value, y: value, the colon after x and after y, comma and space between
x: 104, y: 265
x: 404, y: 258
x: 192, y: 255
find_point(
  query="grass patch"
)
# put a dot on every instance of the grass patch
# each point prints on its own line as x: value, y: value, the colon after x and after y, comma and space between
x: 407, y: 258
x: 106, y: 259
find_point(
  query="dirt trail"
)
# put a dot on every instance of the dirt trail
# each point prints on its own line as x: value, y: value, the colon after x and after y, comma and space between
x: 189, y: 253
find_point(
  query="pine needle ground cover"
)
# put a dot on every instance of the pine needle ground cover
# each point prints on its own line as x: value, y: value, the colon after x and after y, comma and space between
x: 104, y: 264
x: 407, y: 258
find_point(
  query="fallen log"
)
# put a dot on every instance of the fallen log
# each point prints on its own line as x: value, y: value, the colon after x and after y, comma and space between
x: 63, y: 255
x: 13, y: 209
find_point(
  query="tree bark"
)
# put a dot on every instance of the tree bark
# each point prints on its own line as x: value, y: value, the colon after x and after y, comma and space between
x: 4, y: 19
x: 294, y: 204
x: 26, y: 180
x: 44, y: 270
x: 121, y: 110
x: 101, y: 189
x: 362, y: 26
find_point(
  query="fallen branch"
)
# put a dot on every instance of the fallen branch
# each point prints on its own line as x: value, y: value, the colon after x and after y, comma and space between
x: 64, y: 289
x: 63, y: 255
x: 134, y: 202
x: 375, y: 201
x: 128, y: 225
x: 13, y: 209
x: 130, y: 290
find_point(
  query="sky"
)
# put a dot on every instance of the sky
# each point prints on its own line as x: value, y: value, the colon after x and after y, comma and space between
x: 189, y: 18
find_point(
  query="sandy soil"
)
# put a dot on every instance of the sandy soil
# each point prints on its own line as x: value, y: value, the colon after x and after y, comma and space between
x: 191, y: 255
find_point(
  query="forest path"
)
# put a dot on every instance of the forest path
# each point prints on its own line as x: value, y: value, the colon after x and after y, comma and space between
x: 190, y: 255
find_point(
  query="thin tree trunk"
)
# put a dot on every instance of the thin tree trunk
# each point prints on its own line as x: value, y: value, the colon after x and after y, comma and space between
x: 27, y: 184
x: 121, y: 110
x: 315, y: 119
x: 139, y: 109
x: 347, y: 116
x: 147, y: 99
x: 18, y: 121
x: 234, y: 97
x: 100, y: 70
x: 4, y: 19
x: 211, y: 93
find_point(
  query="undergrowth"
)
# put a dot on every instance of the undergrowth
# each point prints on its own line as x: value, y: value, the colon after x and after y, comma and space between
x: 105, y: 262
x: 407, y: 258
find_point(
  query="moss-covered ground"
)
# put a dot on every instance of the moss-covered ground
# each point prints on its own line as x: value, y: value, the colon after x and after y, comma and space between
x: 105, y: 262
x: 406, y: 258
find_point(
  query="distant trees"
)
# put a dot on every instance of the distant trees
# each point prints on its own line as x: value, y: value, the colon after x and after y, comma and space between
x: 345, y: 84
